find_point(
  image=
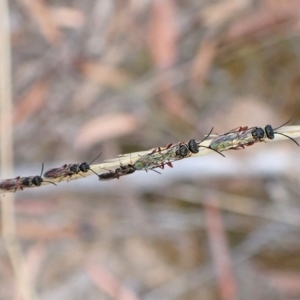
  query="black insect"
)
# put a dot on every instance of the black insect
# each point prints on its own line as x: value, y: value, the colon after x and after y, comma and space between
x: 19, y: 183
x: 70, y: 170
x: 250, y: 136
x: 260, y: 135
x: 34, y: 180
x: 107, y: 176
x: 182, y: 151
x: 125, y: 169
x: 238, y: 138
x: 241, y: 137
x: 192, y: 146
x: 121, y: 171
x: 84, y: 167
x: 270, y: 132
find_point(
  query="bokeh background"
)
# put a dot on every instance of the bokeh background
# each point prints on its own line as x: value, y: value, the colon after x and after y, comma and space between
x: 116, y: 76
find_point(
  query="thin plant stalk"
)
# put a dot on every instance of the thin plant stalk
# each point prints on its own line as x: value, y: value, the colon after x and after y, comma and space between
x: 131, y: 158
x: 6, y: 131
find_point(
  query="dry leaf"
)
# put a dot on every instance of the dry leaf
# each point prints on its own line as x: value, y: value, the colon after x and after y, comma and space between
x: 285, y: 281
x: 163, y: 33
x: 264, y: 19
x: 34, y: 259
x: 216, y: 14
x: 37, y: 207
x: 108, y: 283
x: 174, y: 104
x: 67, y: 17
x: 104, y: 74
x: 105, y: 127
x: 40, y: 12
x: 46, y: 232
x: 218, y: 241
x: 215, y: 17
x: 204, y: 60
x: 32, y: 102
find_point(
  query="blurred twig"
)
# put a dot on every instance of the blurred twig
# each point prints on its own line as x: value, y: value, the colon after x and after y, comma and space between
x: 107, y: 282
x: 7, y: 204
x: 131, y: 158
x: 185, y: 283
x: 39, y: 11
x: 219, y: 249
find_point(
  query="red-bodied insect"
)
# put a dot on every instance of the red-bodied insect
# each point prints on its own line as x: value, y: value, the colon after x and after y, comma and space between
x: 161, y: 157
x: 158, y: 158
x: 243, y: 136
x: 238, y: 138
x: 69, y: 170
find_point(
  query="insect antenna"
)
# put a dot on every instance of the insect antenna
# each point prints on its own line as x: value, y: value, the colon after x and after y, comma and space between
x: 284, y: 124
x: 94, y: 172
x: 42, y: 169
x: 209, y: 146
x: 50, y: 182
x: 285, y: 134
x: 288, y: 137
x: 43, y: 179
x: 95, y: 159
x: 207, y: 136
x: 213, y: 150
x: 84, y: 167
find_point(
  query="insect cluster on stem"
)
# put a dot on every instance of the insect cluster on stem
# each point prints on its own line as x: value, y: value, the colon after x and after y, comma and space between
x: 19, y: 183
x: 237, y: 138
x: 240, y: 137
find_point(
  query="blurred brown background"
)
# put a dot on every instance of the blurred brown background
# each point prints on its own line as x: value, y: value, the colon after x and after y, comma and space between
x: 116, y: 76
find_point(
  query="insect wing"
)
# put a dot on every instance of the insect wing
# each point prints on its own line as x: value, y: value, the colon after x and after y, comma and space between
x: 234, y: 139
x: 224, y: 142
x: 251, y: 136
x: 58, y: 172
x: 162, y: 157
x: 144, y: 162
x: 154, y: 160
x: 158, y: 158
x: 11, y: 184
